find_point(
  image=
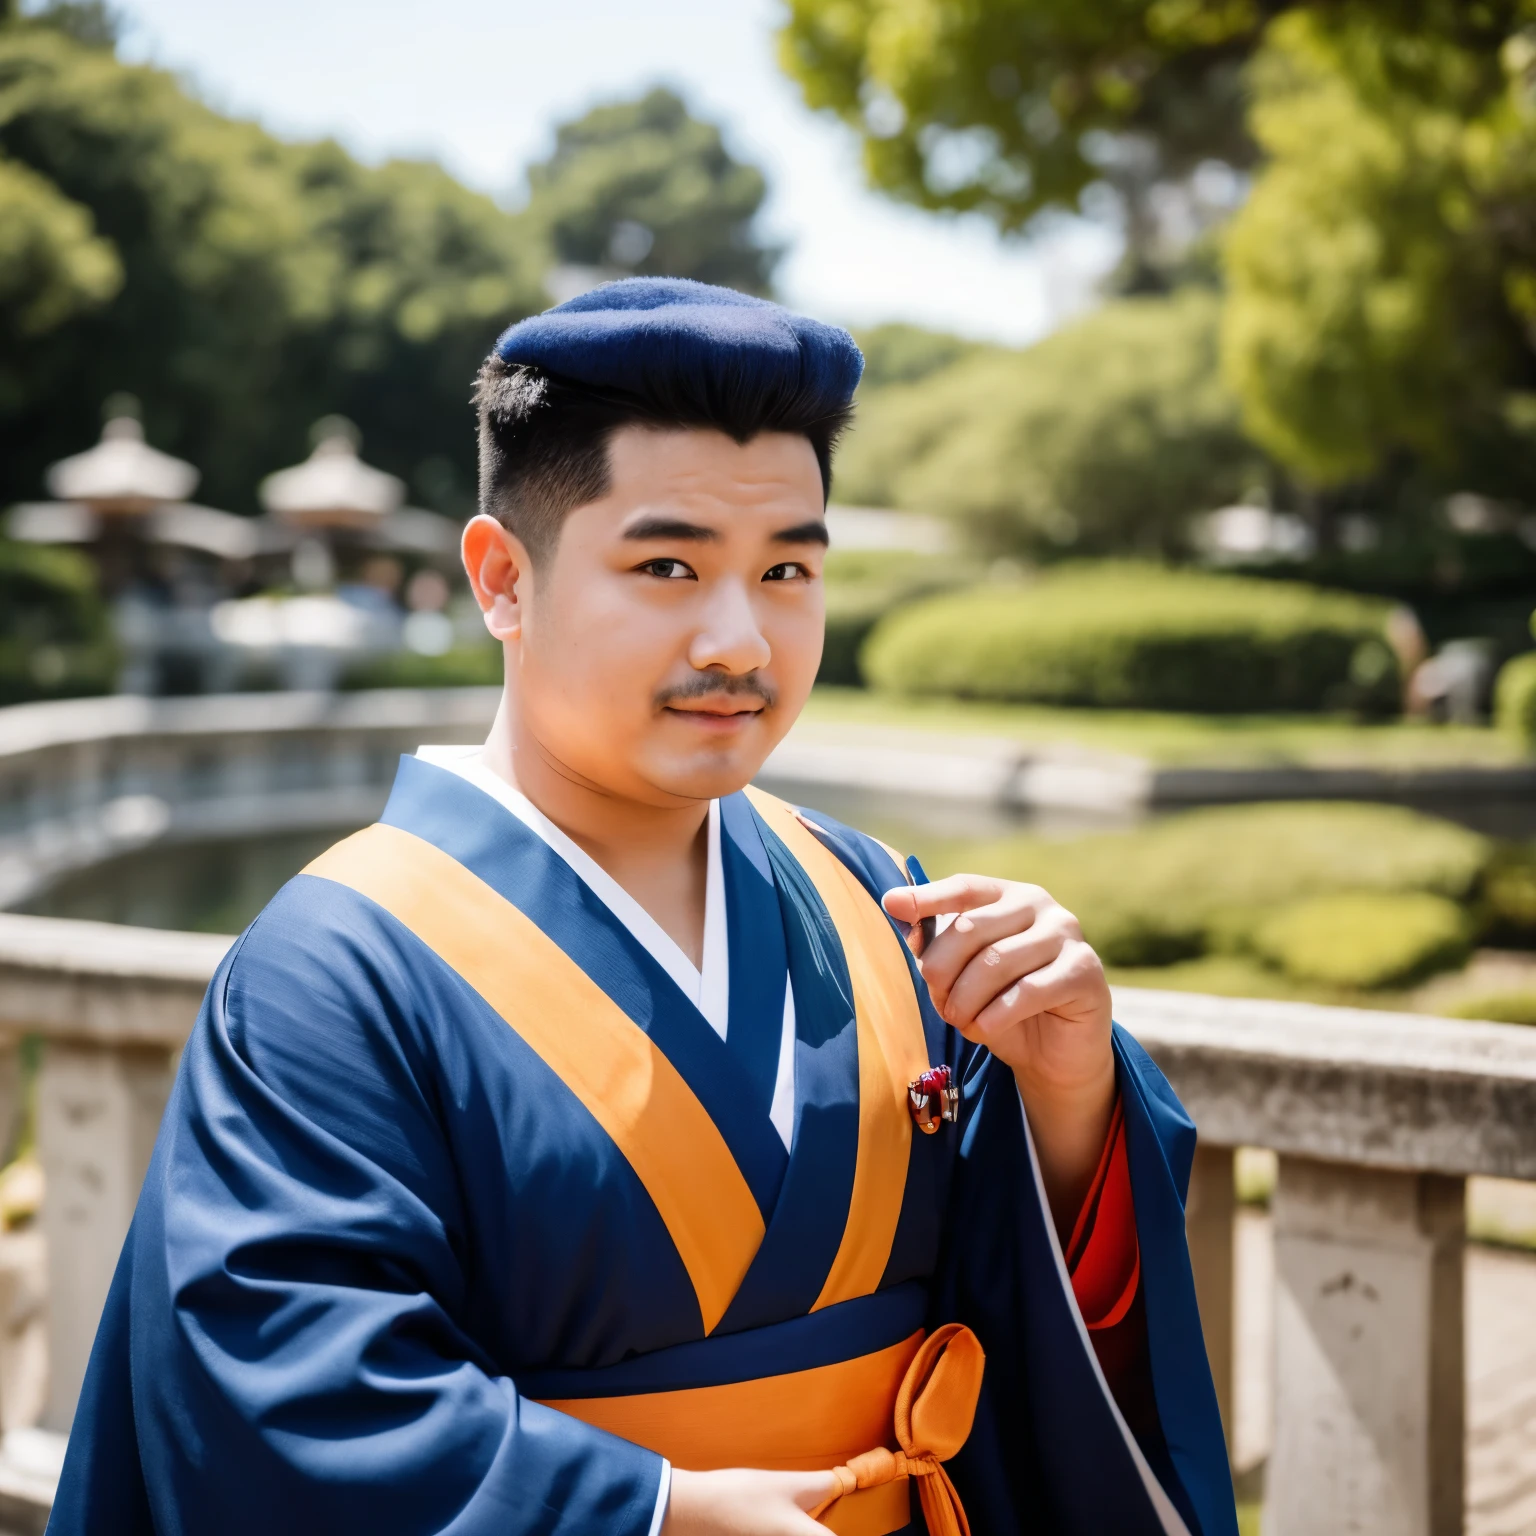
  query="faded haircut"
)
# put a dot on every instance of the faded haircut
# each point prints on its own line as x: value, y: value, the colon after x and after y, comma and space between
x: 544, y: 440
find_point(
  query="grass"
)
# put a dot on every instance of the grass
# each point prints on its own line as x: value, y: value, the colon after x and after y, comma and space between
x: 1505, y: 1007
x: 1243, y: 976
x: 1202, y: 882
x: 1171, y: 740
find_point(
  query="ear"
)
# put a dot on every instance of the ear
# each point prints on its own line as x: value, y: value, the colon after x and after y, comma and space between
x: 498, y: 569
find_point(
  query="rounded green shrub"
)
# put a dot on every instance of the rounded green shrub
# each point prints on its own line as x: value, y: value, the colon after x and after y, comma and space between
x: 1514, y: 697
x: 465, y: 666
x: 862, y: 586
x: 1500, y: 1007
x: 1508, y: 897
x: 1365, y: 939
x: 1201, y: 881
x: 851, y: 615
x: 1130, y: 636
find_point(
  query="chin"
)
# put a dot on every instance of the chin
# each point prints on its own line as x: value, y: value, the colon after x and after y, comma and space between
x: 705, y: 775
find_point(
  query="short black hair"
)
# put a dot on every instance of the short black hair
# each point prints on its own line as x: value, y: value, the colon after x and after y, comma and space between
x: 544, y: 439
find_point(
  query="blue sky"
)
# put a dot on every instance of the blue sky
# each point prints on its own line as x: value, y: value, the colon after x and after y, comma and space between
x: 478, y: 84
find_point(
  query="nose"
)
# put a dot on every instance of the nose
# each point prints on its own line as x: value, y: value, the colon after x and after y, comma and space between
x: 729, y: 636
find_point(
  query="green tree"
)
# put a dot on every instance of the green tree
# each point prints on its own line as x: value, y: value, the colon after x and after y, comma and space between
x: 1014, y: 107
x: 899, y: 354
x: 258, y: 284
x: 420, y: 275
x: 1380, y: 329
x: 53, y: 266
x: 645, y: 187
x: 1382, y: 276
x: 1104, y: 437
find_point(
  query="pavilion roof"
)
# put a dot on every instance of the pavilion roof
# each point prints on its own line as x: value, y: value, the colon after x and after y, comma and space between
x: 122, y: 473
x: 332, y: 486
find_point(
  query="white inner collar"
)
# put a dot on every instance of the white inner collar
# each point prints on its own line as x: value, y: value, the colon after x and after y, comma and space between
x: 709, y: 989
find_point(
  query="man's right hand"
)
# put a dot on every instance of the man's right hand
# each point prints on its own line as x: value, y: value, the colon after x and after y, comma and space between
x: 741, y: 1502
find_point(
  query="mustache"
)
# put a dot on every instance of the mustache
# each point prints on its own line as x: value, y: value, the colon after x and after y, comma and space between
x: 706, y: 685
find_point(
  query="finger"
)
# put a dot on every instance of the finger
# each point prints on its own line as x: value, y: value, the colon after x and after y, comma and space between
x: 816, y: 1489
x: 1019, y: 909
x: 1072, y: 982
x: 995, y: 968
x: 954, y: 893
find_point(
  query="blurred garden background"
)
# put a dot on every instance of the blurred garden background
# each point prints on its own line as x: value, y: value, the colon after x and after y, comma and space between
x: 1183, y: 552
x: 1261, y: 496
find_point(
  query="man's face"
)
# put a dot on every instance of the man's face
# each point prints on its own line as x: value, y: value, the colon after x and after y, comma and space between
x: 670, y: 639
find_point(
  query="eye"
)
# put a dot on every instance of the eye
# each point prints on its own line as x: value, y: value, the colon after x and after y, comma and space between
x: 787, y: 571
x: 668, y: 570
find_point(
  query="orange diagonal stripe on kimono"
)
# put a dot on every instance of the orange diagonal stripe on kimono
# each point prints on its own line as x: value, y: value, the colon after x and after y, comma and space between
x: 892, y: 1052
x: 631, y: 1089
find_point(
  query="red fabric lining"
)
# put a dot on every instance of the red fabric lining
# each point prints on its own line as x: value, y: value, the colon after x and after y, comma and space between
x: 1085, y: 1216
x: 1104, y: 1261
x: 1104, y: 1257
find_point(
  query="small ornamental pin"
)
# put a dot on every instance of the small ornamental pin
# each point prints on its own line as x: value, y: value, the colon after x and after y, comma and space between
x: 933, y: 1097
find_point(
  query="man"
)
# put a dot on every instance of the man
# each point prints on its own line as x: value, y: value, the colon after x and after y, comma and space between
x: 581, y: 1149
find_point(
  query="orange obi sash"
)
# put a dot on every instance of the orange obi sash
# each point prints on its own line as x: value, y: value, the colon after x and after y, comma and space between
x: 876, y: 1422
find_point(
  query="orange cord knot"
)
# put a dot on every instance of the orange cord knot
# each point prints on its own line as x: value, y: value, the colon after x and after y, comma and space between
x: 934, y: 1409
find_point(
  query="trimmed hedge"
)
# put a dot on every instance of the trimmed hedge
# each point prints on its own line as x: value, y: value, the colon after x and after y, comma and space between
x: 1508, y: 905
x: 1514, y: 697
x: 463, y: 667
x: 1365, y: 939
x: 1203, y: 881
x: 1143, y: 637
x: 863, y: 586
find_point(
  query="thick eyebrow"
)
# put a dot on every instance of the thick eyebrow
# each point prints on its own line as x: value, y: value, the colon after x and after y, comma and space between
x: 675, y: 529
x: 814, y: 532
x: 671, y: 528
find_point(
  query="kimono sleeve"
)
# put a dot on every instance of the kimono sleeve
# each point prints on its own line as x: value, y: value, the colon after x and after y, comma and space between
x: 284, y: 1347
x: 1051, y: 1448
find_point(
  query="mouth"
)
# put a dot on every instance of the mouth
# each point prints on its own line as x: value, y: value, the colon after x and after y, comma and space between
x: 717, y: 715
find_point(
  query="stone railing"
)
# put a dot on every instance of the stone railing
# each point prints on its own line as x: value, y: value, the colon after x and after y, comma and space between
x: 86, y: 779
x: 1378, y: 1120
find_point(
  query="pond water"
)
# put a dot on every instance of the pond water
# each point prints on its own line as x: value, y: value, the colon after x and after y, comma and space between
x: 212, y: 887
x: 219, y: 886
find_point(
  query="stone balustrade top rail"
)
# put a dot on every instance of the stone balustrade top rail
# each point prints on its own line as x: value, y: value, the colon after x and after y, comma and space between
x: 26, y: 728
x: 86, y: 780
x: 69, y: 949
x: 1351, y: 1085
x: 102, y: 983
x: 1383, y: 1090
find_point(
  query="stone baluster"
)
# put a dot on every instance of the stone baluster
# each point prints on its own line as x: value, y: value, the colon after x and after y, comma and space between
x: 1210, y: 1214
x: 113, y: 1006
x: 1369, y: 1385
x: 98, y: 1111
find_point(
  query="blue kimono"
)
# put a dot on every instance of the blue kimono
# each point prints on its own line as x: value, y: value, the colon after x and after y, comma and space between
x: 457, y: 1192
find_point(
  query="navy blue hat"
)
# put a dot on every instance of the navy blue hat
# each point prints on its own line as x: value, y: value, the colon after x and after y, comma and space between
x: 643, y: 335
